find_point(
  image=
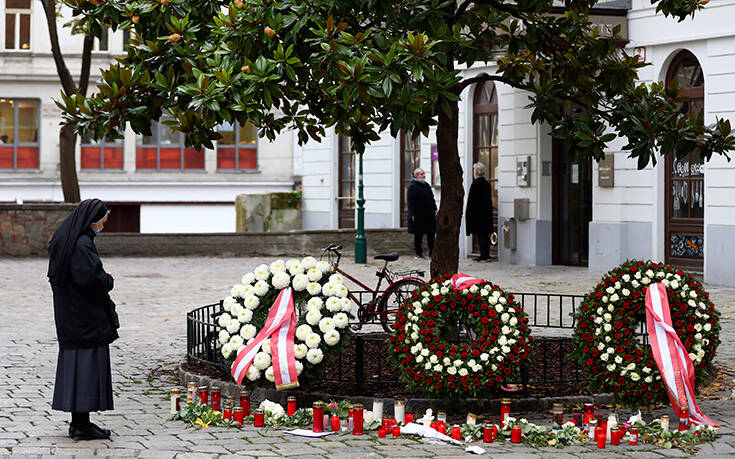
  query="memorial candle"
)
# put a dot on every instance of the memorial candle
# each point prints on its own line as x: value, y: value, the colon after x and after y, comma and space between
x: 471, y: 419
x: 291, y: 405
x: 378, y: 408
x: 558, y: 413
x: 357, y: 419
x: 259, y: 420
x: 442, y: 427
x: 396, y: 431
x: 216, y: 398
x: 399, y: 411
x: 456, y: 433
x: 578, y: 420
x: 381, y: 432
x: 238, y: 416
x: 615, y: 435
x: 385, y: 421
x: 684, y: 419
x: 592, y: 428
x: 589, y: 413
x: 203, y: 395
x: 515, y: 434
x: 191, y: 391
x: 487, y: 433
x: 504, y: 411
x: 175, y: 400
x: 245, y: 402
x: 601, y: 440
x: 409, y: 418
x: 441, y: 416
x: 612, y: 421
x: 665, y: 423
x: 633, y: 436
x: 334, y: 423
x: 318, y: 417
x: 227, y: 409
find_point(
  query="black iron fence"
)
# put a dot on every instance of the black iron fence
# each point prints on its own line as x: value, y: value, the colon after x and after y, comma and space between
x: 366, y: 366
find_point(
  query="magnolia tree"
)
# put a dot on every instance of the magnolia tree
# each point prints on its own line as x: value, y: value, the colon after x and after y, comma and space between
x: 364, y: 66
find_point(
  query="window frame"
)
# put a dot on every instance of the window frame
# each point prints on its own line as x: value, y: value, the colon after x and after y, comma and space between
x: 157, y: 145
x: 17, y: 144
x: 103, y: 40
x: 102, y: 144
x: 236, y: 128
x: 17, y: 13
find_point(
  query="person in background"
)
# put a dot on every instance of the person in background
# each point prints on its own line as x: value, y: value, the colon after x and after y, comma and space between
x: 478, y: 217
x: 86, y: 321
x: 421, y: 212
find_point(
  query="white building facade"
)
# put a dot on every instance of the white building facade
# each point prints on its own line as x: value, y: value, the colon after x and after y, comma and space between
x: 563, y: 211
x: 153, y: 184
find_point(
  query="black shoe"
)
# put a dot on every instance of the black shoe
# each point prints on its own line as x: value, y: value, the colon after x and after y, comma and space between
x: 100, y: 429
x: 89, y: 432
x: 482, y: 259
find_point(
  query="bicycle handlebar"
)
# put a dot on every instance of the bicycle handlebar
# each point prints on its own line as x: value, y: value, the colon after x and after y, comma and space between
x: 332, y: 247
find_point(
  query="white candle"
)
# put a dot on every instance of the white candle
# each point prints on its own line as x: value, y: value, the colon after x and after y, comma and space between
x: 399, y: 411
x: 612, y: 421
x: 377, y: 409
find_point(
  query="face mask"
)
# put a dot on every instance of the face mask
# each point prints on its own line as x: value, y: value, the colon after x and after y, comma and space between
x: 96, y: 231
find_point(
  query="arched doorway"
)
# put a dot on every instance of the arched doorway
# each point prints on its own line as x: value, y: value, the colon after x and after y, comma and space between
x: 485, y: 146
x: 684, y: 224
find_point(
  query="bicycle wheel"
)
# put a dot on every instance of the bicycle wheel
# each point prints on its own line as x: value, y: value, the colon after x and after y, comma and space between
x: 393, y: 298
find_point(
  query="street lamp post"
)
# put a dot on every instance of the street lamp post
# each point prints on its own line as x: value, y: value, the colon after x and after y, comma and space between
x: 360, y: 240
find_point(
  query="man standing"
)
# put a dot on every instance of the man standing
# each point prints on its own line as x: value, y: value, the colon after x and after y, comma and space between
x: 480, y: 210
x: 421, y: 211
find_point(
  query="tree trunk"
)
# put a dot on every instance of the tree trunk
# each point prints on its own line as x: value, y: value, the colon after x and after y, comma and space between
x: 67, y: 164
x: 445, y: 257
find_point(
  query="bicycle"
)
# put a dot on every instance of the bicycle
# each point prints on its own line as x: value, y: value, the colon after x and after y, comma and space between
x: 385, y: 304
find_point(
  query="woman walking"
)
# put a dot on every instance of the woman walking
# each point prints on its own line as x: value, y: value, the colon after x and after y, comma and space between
x: 86, y: 321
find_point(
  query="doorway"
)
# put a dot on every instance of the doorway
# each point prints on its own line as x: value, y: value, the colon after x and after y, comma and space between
x: 572, y: 207
x: 346, y: 181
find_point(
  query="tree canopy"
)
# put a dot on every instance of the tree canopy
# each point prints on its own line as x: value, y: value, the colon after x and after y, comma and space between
x: 364, y: 66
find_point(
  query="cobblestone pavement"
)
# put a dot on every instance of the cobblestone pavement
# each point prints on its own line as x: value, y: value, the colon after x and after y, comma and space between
x: 153, y: 296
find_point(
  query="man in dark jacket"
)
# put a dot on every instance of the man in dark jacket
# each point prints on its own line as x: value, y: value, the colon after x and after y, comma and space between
x: 478, y: 217
x: 421, y: 211
x: 86, y: 321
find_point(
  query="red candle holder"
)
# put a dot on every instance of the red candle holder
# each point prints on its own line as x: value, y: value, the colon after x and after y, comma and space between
x: 396, y: 431
x: 334, y: 423
x: 203, y: 395
x: 357, y: 419
x: 386, y: 422
x: 504, y: 411
x: 442, y: 427
x: 237, y: 415
x: 381, y: 432
x: 578, y: 420
x: 615, y: 435
x: 633, y: 436
x: 456, y: 433
x: 488, y: 432
x: 589, y: 413
x: 259, y: 420
x: 245, y: 402
x: 684, y: 420
x: 434, y: 425
x: 515, y: 434
x: 216, y: 398
x: 409, y: 417
x: 318, y: 416
x: 291, y: 405
x: 393, y: 421
x: 601, y: 440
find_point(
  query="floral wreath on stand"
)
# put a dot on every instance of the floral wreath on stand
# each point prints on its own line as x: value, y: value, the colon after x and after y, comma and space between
x: 489, y: 353
x: 322, y: 309
x: 609, y: 345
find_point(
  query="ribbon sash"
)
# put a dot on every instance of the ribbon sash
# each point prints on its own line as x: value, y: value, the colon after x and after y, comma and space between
x: 672, y: 358
x: 461, y: 281
x: 280, y: 326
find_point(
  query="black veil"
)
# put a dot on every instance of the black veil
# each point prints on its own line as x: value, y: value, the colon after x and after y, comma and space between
x: 65, y: 237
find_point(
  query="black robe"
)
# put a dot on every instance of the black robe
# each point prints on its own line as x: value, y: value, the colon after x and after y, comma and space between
x: 479, y: 215
x: 422, y: 207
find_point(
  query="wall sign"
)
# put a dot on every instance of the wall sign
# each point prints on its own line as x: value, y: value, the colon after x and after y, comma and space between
x: 606, y: 172
x: 523, y: 171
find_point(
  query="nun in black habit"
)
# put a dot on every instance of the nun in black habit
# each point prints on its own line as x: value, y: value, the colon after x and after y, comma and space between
x: 86, y: 321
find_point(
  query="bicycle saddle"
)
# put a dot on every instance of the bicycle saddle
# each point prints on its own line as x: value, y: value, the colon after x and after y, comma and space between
x: 387, y: 256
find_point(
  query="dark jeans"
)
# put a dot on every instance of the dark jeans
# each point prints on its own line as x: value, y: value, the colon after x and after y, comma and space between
x: 418, y: 239
x: 484, y: 241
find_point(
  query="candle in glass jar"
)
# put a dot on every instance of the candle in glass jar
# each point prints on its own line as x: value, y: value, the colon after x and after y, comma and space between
x: 216, y: 398
x: 245, y: 402
x: 441, y: 427
x: 633, y: 436
x: 318, y: 417
x: 665, y: 423
x: 357, y: 419
x: 399, y: 411
x: 589, y: 413
x: 434, y: 425
x: 515, y: 434
x: 558, y: 413
x: 291, y: 405
x: 578, y: 420
x: 601, y: 440
x: 203, y: 395
x: 612, y: 421
x: 409, y: 418
x: 175, y: 400
x: 239, y: 416
x: 259, y: 420
x: 684, y: 419
x: 378, y: 408
x: 227, y: 409
x: 615, y: 435
x: 504, y: 411
x: 592, y: 428
x: 487, y: 433
x: 471, y: 419
x: 396, y: 431
x: 191, y: 391
x: 456, y: 432
x: 334, y: 423
x: 441, y: 416
x: 381, y: 432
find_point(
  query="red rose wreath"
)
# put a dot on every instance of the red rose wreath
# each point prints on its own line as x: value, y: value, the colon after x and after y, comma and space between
x: 609, y: 342
x: 426, y: 349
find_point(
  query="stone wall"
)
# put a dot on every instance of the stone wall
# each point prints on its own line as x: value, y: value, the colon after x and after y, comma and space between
x: 267, y: 212
x: 25, y: 229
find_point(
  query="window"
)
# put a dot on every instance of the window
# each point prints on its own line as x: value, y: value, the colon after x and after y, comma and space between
x: 103, y: 42
x: 346, y: 179
x: 238, y: 148
x: 19, y: 134
x: 164, y: 149
x: 18, y: 24
x: 410, y: 161
x: 102, y: 154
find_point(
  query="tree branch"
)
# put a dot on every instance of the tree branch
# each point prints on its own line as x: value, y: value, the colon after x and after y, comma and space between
x: 86, y: 64
x: 485, y: 77
x: 67, y: 82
